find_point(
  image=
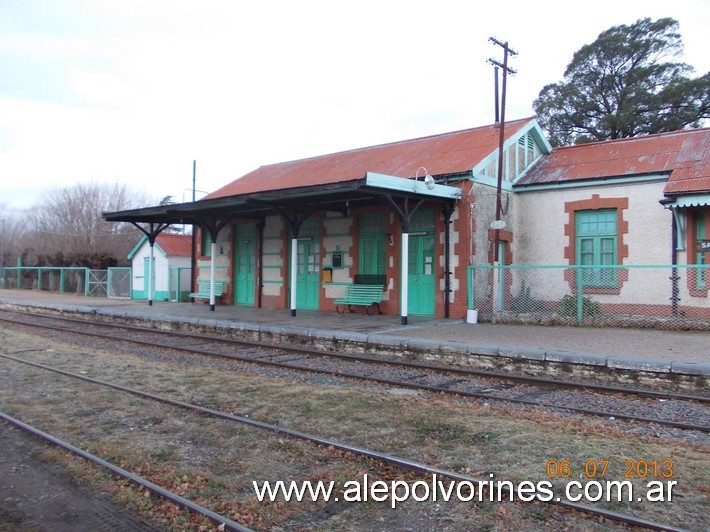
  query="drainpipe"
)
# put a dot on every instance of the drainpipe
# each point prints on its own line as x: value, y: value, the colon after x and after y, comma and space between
x: 668, y: 204
x: 674, y: 261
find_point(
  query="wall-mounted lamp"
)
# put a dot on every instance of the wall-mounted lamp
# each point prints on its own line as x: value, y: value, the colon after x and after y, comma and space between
x: 428, y: 179
x: 390, y: 238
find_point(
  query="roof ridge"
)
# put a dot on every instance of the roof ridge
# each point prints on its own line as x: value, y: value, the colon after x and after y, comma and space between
x: 637, y: 138
x: 394, y: 143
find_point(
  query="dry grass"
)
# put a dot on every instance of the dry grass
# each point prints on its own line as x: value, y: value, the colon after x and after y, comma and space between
x: 210, y: 458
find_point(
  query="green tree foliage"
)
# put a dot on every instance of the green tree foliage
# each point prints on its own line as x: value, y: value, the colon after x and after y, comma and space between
x: 625, y: 84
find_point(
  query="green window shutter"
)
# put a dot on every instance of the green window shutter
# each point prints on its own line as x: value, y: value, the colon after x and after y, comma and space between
x: 596, y: 244
x: 206, y: 244
x: 372, y: 244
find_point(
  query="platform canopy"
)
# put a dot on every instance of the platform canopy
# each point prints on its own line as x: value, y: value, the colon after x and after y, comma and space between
x: 371, y: 189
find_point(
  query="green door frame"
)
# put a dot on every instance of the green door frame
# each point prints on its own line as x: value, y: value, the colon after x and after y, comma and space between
x: 305, y: 264
x: 308, y: 273
x: 422, y: 264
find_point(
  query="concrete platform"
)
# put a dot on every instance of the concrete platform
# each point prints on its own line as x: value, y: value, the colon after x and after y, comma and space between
x: 644, y: 350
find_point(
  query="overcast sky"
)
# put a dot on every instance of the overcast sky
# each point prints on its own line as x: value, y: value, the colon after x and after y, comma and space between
x: 135, y: 90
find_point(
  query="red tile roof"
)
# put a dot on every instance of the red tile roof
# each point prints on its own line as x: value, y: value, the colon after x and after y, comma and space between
x: 174, y: 245
x: 685, y: 155
x: 442, y: 154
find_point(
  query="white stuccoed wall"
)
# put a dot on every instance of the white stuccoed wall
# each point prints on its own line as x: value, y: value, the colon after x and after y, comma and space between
x: 273, y: 263
x: 338, y: 237
x: 539, y: 238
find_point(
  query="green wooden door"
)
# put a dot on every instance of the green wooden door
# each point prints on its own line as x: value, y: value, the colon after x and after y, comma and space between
x: 308, y: 265
x: 244, y: 251
x: 422, y: 265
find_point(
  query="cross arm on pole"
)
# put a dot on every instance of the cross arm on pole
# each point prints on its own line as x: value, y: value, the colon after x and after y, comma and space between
x: 501, y: 65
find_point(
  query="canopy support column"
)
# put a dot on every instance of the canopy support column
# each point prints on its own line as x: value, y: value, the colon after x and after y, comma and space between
x: 294, y: 222
x: 405, y: 214
x: 404, y: 277
x: 213, y: 252
x: 151, y: 272
x: 213, y: 225
x: 151, y: 234
x: 294, y: 274
x: 260, y: 266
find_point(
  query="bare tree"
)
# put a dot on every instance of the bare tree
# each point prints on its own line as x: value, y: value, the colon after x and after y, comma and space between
x: 68, y: 229
x: 12, y: 234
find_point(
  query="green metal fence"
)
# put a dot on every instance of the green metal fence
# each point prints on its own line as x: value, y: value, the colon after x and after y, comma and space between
x: 113, y: 282
x: 658, y: 296
x: 50, y: 278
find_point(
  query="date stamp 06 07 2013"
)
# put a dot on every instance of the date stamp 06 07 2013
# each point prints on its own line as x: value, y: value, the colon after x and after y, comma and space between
x: 597, y: 469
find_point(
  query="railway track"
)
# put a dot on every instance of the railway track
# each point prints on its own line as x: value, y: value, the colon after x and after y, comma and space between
x: 223, y: 523
x: 649, y: 407
x: 282, y: 431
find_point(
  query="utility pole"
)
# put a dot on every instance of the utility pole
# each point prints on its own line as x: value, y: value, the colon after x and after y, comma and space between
x: 507, y: 51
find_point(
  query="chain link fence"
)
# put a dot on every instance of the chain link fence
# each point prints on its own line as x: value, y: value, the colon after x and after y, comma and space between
x: 97, y: 283
x: 118, y: 284
x: 655, y: 296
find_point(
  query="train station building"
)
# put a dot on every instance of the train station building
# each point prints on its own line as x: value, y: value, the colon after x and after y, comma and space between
x: 427, y: 220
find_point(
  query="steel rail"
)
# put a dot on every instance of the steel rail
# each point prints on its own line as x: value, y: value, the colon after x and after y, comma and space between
x: 225, y: 523
x: 390, y: 382
x: 380, y: 380
x: 402, y: 463
x: 555, y: 383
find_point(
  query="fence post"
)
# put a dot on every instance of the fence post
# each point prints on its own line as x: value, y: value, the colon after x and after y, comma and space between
x: 497, y: 296
x: 580, y: 294
x: 86, y: 281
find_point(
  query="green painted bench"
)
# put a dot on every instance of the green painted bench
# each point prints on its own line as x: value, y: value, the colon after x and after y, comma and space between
x: 366, y: 295
x: 203, y: 290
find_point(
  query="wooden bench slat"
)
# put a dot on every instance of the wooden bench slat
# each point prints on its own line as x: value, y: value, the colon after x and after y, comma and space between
x: 203, y: 290
x: 360, y: 294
